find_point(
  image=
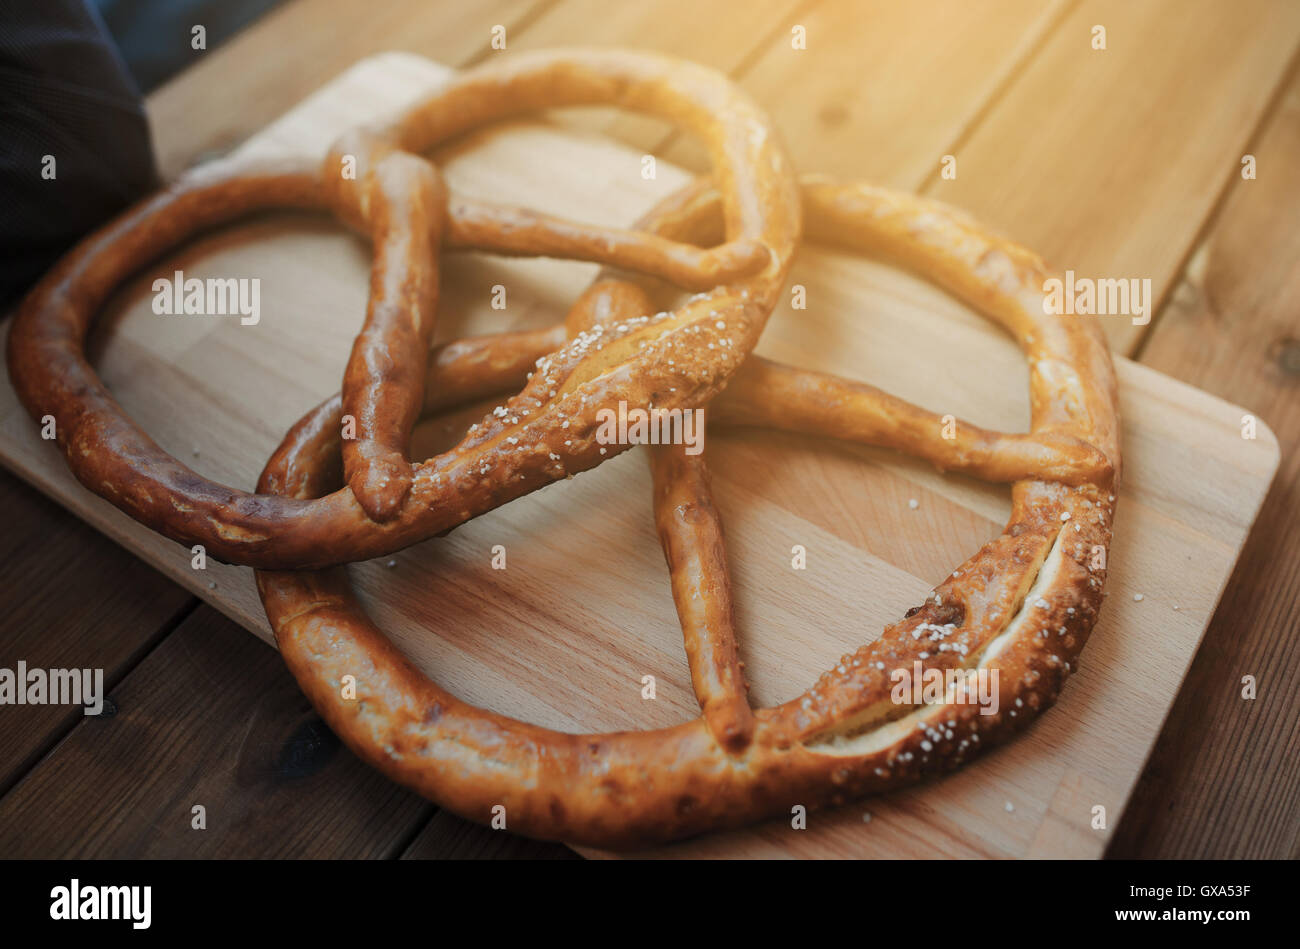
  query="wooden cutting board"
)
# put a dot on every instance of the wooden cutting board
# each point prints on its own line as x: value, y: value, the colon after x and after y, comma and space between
x: 564, y: 634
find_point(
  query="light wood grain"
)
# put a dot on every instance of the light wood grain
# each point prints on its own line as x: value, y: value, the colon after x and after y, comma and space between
x: 564, y: 634
x: 231, y: 92
x: 722, y: 34
x: 884, y: 89
x: 1107, y: 162
x: 1223, y: 779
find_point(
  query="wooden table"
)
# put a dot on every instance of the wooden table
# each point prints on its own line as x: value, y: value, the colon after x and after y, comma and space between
x: 1120, y: 161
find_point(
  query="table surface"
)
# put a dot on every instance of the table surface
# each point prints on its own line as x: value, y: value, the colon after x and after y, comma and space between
x: 1123, y: 161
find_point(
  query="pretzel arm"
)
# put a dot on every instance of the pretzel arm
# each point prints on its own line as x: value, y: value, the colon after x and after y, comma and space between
x: 466, y: 370
x: 777, y: 396
x: 400, y: 202
x: 690, y: 530
x: 476, y: 225
x: 665, y: 356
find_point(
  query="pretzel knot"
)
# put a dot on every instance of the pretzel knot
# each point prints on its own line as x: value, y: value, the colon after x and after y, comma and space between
x: 1015, y: 614
x: 400, y: 201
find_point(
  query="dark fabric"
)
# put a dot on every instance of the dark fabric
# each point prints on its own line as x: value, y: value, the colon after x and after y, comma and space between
x: 155, y: 35
x: 65, y: 92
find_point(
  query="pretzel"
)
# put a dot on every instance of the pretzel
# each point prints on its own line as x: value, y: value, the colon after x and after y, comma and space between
x: 1022, y: 606
x: 400, y: 202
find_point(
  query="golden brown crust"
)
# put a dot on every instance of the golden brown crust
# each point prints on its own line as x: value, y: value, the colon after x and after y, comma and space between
x: 403, y: 201
x: 770, y: 395
x: 690, y: 531
x: 1021, y: 607
x: 395, y: 197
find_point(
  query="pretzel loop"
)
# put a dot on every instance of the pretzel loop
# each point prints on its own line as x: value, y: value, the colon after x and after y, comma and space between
x: 502, y: 459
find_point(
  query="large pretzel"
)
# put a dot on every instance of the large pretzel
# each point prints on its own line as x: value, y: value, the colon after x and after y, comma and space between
x: 1023, y: 605
x: 398, y: 199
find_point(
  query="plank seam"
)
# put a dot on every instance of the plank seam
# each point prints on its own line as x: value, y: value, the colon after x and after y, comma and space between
x: 405, y: 844
x: 746, y: 63
x: 1202, y: 234
x: 535, y: 13
x: 1013, y: 74
x: 132, y: 662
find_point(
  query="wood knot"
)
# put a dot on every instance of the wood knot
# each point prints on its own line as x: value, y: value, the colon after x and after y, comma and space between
x: 1287, y: 353
x: 307, y: 750
x: 833, y: 115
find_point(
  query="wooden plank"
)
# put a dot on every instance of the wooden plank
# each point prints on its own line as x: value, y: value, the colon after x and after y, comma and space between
x: 210, y: 718
x: 448, y: 837
x: 565, y: 634
x: 884, y: 88
x: 72, y: 599
x: 1222, y: 781
x: 235, y: 90
x: 1107, y: 162
x: 722, y: 34
x: 845, y: 110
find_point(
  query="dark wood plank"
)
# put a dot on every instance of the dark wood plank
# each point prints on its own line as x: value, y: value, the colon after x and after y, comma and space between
x: 71, y: 599
x: 211, y: 717
x: 1223, y: 780
x: 448, y: 837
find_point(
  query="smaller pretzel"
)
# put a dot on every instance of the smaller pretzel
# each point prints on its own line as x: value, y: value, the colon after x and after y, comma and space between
x: 398, y: 199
